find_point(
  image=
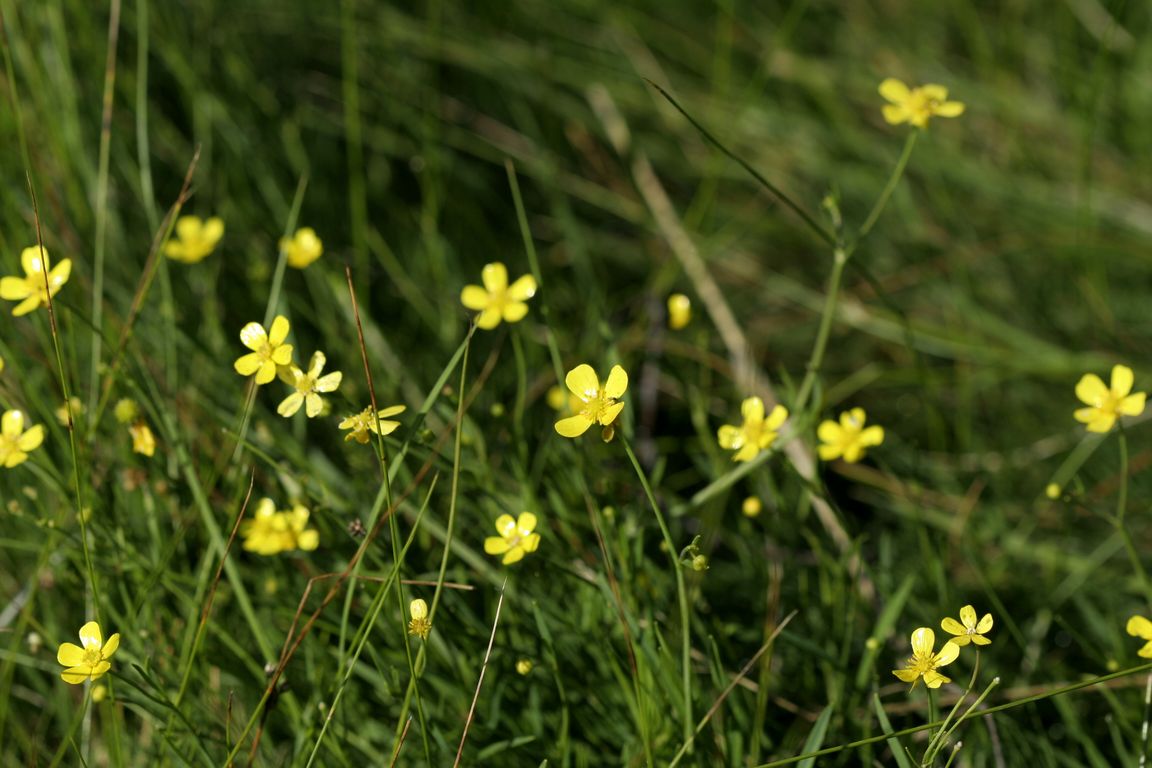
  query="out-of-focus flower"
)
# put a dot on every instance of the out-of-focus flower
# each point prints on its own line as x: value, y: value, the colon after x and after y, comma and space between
x: 34, y: 288
x: 143, y: 441
x: 756, y: 434
x: 362, y: 423
x: 308, y: 387
x: 268, y: 350
x: 302, y: 248
x: 497, y: 300
x: 89, y: 661
x: 597, y: 405
x: 917, y: 105
x: 1107, y: 404
x: 271, y: 532
x: 849, y: 438
x: 516, y: 537
x: 679, y: 311
x: 15, y: 441
x: 968, y: 629
x: 195, y: 239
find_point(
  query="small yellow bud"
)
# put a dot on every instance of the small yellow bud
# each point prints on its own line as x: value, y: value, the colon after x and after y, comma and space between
x: 700, y: 563
x: 1052, y: 491
x: 751, y: 506
x: 143, y: 441
x: 679, y: 311
x: 126, y: 410
x: 99, y: 693
x: 524, y: 666
x: 420, y: 625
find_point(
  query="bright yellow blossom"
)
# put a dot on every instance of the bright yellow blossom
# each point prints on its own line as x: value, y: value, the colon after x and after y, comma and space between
x: 917, y: 105
x: 34, y: 289
x: 849, y: 438
x: 302, y: 248
x: 143, y: 441
x: 756, y: 433
x: 420, y: 625
x: 516, y: 537
x: 90, y: 661
x: 1107, y: 404
x: 497, y: 300
x: 270, y: 532
x: 15, y: 441
x: 1140, y: 627
x: 679, y: 311
x: 268, y: 350
x: 362, y: 423
x: 968, y: 629
x: 308, y: 388
x: 925, y: 662
x: 597, y: 406
x: 195, y: 239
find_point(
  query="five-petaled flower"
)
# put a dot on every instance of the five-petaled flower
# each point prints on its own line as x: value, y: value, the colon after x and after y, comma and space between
x: 308, y: 387
x: 1140, y: 627
x: 15, y: 441
x: 597, y: 405
x: 756, y: 433
x: 268, y: 350
x: 35, y: 288
x: 270, y: 532
x: 420, y: 625
x: 917, y: 105
x: 925, y: 662
x: 516, y: 537
x: 195, y: 239
x: 497, y: 300
x: 968, y: 629
x: 143, y: 441
x: 849, y: 438
x: 302, y: 248
x: 1107, y: 404
x: 362, y: 423
x: 89, y: 661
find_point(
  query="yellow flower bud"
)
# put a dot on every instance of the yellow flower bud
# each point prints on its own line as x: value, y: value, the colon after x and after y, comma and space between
x: 679, y: 311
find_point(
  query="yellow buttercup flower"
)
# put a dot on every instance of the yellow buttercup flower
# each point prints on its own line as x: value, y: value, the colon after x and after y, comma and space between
x: 420, y: 625
x: 1107, y: 404
x: 925, y: 661
x: 270, y: 532
x: 756, y: 433
x: 597, y: 405
x: 308, y: 388
x: 89, y: 661
x: 848, y: 439
x: 917, y: 105
x: 968, y: 629
x: 268, y: 350
x: 302, y: 248
x: 679, y: 311
x: 33, y: 289
x: 15, y: 441
x: 497, y: 300
x: 516, y: 537
x: 362, y: 423
x: 195, y: 239
x: 1140, y: 627
x: 143, y: 441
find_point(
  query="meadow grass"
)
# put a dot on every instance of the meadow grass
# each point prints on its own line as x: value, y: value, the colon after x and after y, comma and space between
x: 954, y: 282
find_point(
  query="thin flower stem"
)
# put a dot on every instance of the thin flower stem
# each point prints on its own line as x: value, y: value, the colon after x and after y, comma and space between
x: 882, y: 201
x: 1144, y: 725
x: 937, y: 741
x: 1120, y: 519
x: 681, y: 592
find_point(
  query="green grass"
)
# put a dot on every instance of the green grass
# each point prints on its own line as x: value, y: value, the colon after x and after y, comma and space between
x: 422, y: 141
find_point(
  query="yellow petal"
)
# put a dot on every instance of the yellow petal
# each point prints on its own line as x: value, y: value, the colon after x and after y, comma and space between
x: 506, y: 525
x: 495, y: 277
x: 75, y: 675
x: 953, y: 627
x: 523, y: 289
x: 90, y: 635
x: 923, y: 638
x: 1121, y: 380
x: 894, y: 115
x: 31, y: 439
x: 949, y: 109
x: 934, y: 92
x: 617, y: 382
x: 418, y: 609
x: 266, y: 373
x: 253, y: 336
x: 329, y: 383
x: 828, y: 452
x: 609, y: 414
x: 985, y: 624
x: 282, y: 355
x: 947, y: 654
x: 530, y: 542
x: 907, y: 675
x: 391, y: 410
x: 894, y: 90
x: 14, y: 289
x: 35, y: 261
x: 777, y: 418
x: 212, y: 232
x: 70, y: 655
x: 828, y: 431
x: 934, y: 679
x: 980, y: 640
x: 872, y: 436
x: 752, y: 409
x: 289, y: 405
x: 27, y: 305
x: 1102, y: 422
x: 968, y: 616
x: 308, y: 540
x: 1133, y: 405
x: 582, y: 382
x: 514, y: 311
x: 729, y: 437
x: 188, y: 227
x: 573, y: 426
x: 495, y: 545
x: 313, y: 404
x: 248, y: 364
x: 59, y: 275
x: 474, y: 297
x: 1091, y: 390
x: 279, y: 331
x: 1146, y: 651
x: 853, y: 419
x: 514, y: 555
x: 489, y: 318
x: 111, y: 646
x: 12, y: 424
x: 526, y: 523
x: 1140, y: 627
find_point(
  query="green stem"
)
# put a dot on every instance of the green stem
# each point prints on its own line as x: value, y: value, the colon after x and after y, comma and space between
x: 681, y: 592
x: 1121, y: 516
x: 840, y: 259
x: 882, y: 201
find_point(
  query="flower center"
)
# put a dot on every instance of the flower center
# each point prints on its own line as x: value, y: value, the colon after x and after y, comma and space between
x: 91, y: 657
x: 596, y: 405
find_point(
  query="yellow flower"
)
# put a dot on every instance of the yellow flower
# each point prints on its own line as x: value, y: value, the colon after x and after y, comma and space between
x: 524, y: 666
x: 270, y: 532
x: 420, y: 625
x: 302, y: 248
x: 195, y: 239
x: 143, y: 441
x: 15, y: 441
x: 362, y: 423
x: 516, y: 537
x: 308, y: 388
x: 925, y: 662
x: 268, y: 350
x: 849, y: 438
x: 74, y: 405
x: 756, y: 434
x: 917, y: 105
x: 1106, y: 404
x: 1140, y: 627
x: 497, y: 300
x: 679, y: 311
x: 751, y: 507
x: 90, y: 661
x: 596, y: 406
x: 968, y: 629
x: 33, y: 289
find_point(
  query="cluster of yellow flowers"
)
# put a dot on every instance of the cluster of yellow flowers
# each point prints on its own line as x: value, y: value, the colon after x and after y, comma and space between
x: 925, y: 662
x: 272, y: 531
